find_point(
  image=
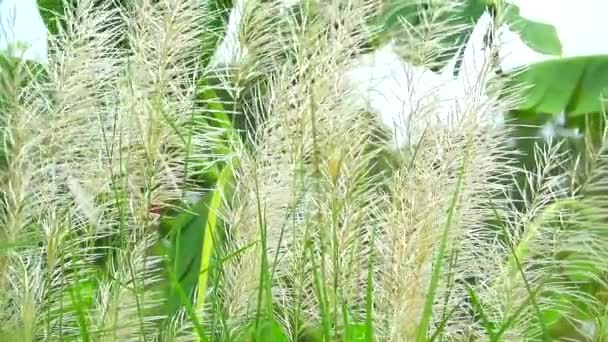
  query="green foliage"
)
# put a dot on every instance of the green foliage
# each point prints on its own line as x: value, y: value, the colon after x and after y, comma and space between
x: 538, y: 36
x: 217, y: 26
x: 419, y: 13
x: 193, y: 231
x: 413, y: 12
x: 575, y: 85
x: 52, y: 12
x: 186, y: 232
x: 268, y: 330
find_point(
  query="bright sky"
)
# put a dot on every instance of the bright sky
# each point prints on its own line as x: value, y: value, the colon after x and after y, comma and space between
x: 21, y: 22
x: 581, y: 24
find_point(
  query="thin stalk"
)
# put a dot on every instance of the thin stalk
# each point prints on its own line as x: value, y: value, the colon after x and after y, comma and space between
x: 434, y: 285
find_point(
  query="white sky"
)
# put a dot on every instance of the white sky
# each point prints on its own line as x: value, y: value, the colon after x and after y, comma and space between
x: 20, y: 22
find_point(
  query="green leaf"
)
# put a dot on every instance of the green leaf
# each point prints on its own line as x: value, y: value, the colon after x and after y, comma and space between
x: 478, y: 308
x: 358, y: 332
x: 538, y: 36
x: 52, y: 12
x: 581, y: 268
x: 211, y: 227
x: 416, y: 13
x: 558, y: 317
x: 510, y: 321
x: 413, y: 11
x: 220, y: 10
x: 193, y: 232
x: 312, y: 334
x: 269, y: 330
x: 186, y: 234
x: 223, y: 184
x: 574, y: 85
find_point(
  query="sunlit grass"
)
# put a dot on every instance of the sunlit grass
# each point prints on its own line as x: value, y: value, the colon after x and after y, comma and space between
x: 151, y: 194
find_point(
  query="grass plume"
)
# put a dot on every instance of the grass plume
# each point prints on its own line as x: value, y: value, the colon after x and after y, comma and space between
x: 317, y: 218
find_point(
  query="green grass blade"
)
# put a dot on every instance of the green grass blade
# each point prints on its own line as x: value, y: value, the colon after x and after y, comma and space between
x: 444, y: 321
x: 479, y: 309
x: 514, y: 264
x: 506, y: 324
x: 369, y: 295
x: 211, y: 225
x: 422, y: 328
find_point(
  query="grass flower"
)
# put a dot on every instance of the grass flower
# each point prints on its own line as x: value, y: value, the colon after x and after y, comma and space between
x: 165, y: 176
x: 403, y: 94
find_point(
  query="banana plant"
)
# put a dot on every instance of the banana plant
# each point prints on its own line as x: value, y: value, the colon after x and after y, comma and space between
x: 568, y: 73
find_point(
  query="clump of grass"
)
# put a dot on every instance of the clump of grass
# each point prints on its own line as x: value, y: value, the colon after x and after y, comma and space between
x: 297, y: 182
x: 94, y: 147
x: 308, y: 224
